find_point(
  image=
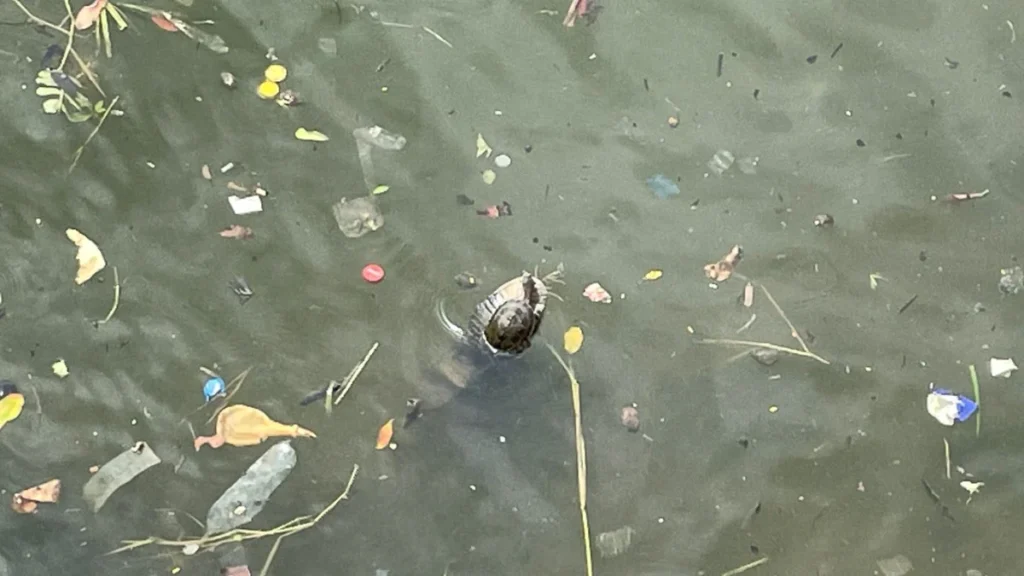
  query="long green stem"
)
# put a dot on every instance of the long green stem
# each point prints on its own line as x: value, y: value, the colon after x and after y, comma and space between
x: 977, y: 399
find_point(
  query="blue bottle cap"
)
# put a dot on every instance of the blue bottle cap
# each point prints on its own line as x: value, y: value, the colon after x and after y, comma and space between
x: 214, y: 387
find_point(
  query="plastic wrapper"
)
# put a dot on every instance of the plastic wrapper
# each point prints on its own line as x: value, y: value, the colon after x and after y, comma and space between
x: 240, y: 503
x: 118, y: 472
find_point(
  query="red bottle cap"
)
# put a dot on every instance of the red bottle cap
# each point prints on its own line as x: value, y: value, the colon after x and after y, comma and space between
x: 373, y: 273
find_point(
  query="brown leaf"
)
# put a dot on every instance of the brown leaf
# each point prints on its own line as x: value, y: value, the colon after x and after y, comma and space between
x: 26, y: 501
x: 385, y: 433
x: 88, y: 15
x: 722, y: 270
x: 163, y: 23
x: 236, y: 231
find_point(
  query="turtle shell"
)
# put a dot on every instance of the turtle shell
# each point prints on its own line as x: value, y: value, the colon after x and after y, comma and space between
x: 505, y: 322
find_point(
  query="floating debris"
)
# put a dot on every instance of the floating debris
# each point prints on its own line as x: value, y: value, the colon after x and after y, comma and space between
x: 1001, y: 367
x: 241, y: 502
x: 720, y: 162
x: 228, y: 79
x: 118, y: 472
x: 616, y: 542
x: 662, y: 186
x: 241, y: 289
x: 629, y: 416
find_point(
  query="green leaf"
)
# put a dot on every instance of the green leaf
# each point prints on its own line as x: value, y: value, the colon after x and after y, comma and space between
x: 99, y: 107
x: 48, y: 91
x: 116, y: 14
x: 44, y: 78
x: 78, y: 117
x: 52, y: 106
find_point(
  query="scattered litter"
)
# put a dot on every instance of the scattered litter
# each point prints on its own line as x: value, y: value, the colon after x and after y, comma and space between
x: 482, y: 148
x: 383, y: 188
x: 118, y: 472
x: 824, y: 220
x: 90, y: 259
x: 1012, y: 280
x: 747, y: 297
x: 11, y: 402
x: 373, y: 273
x: 895, y: 566
x: 722, y: 270
x: 241, y: 425
x: 374, y: 137
x: 962, y: 196
x: 205, y: 171
x: 248, y: 205
x: 60, y: 368
x: 662, y: 186
x: 227, y: 168
x: 1001, y: 367
x: 488, y: 176
x: 720, y: 162
x: 27, y: 501
x: 765, y: 356
x: 629, y: 416
x: 502, y: 161
x: 413, y: 410
x: 466, y: 281
x: 616, y: 542
x: 288, y: 98
x: 596, y: 293
x: 163, y: 23
x: 228, y: 79
x: 241, y: 289
x: 949, y: 408
x: 673, y: 121
x: 252, y: 490
x: 275, y: 73
x: 496, y: 210
x: 89, y: 14
x: 236, y: 231
x: 268, y: 90
x: 463, y: 200
x: 873, y: 279
x: 572, y: 340
x: 384, y: 434
x: 214, y: 387
x: 236, y: 187
x: 971, y: 487
x: 748, y: 165
x: 357, y: 217
x: 652, y: 275
x: 310, y: 135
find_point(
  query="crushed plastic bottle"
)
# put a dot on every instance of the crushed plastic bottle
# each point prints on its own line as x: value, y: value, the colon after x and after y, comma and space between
x: 720, y: 162
x: 240, y: 503
x: 374, y: 137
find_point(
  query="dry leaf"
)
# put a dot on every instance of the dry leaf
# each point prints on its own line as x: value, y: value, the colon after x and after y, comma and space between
x: 653, y: 275
x: 482, y: 148
x: 60, y: 368
x: 88, y: 15
x: 90, y: 259
x: 236, y: 231
x: 722, y: 270
x: 26, y: 501
x: 241, y: 425
x: 310, y: 135
x: 572, y: 340
x: 381, y: 189
x: 384, y: 434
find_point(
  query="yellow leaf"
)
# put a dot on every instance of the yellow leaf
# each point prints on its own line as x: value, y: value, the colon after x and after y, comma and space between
x: 60, y: 368
x: 489, y: 176
x: 384, y: 434
x: 90, y: 259
x: 572, y: 340
x: 653, y: 275
x: 381, y: 189
x: 311, y: 135
x: 482, y: 148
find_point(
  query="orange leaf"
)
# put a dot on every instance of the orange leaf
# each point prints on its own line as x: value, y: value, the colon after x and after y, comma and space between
x: 236, y: 231
x: 26, y: 501
x: 163, y: 23
x: 88, y: 15
x: 385, y: 433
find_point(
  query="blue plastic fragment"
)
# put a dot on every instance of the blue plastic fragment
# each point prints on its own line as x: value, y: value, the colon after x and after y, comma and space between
x: 965, y: 407
x: 214, y: 387
x: 662, y: 186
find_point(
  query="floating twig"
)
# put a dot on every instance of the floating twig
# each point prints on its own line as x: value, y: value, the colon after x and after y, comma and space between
x: 438, y: 36
x: 270, y: 556
x: 232, y: 388
x: 581, y: 458
x: 946, y: 444
x: 351, y: 378
x: 977, y: 399
x: 787, y: 350
x: 208, y: 542
x: 1013, y: 33
x: 74, y: 53
x: 746, y: 567
x: 117, y: 299
x: 81, y: 149
x: 792, y: 328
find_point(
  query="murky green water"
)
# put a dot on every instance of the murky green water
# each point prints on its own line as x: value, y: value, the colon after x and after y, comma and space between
x: 837, y: 469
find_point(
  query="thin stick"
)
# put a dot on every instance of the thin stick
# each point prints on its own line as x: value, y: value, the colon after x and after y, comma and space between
x: 946, y: 443
x: 581, y: 459
x: 351, y: 378
x: 71, y: 34
x: 273, y: 552
x: 977, y: 399
x: 74, y: 53
x: 747, y: 325
x: 778, y: 309
x: 289, y: 528
x: 746, y: 567
x: 117, y: 299
x: 237, y: 383
x: 768, y: 345
x: 81, y: 149
x: 570, y: 15
x: 438, y: 36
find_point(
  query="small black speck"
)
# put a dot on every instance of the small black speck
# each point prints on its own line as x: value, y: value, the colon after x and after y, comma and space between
x: 536, y: 240
x: 548, y: 247
x: 860, y: 143
x: 812, y: 59
x: 744, y: 442
x: 451, y: 112
x: 734, y: 54
x: 254, y: 258
x: 754, y: 549
x: 874, y: 397
x: 528, y: 148
x: 899, y: 136
x: 1007, y: 94
x: 952, y: 64
x: 933, y: 102
x: 757, y: 92
x: 922, y: 256
x: 647, y: 87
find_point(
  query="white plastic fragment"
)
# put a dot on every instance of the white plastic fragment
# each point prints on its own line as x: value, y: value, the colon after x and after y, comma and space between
x: 896, y: 566
x: 1001, y: 367
x: 248, y: 205
x: 502, y: 161
x: 943, y: 407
